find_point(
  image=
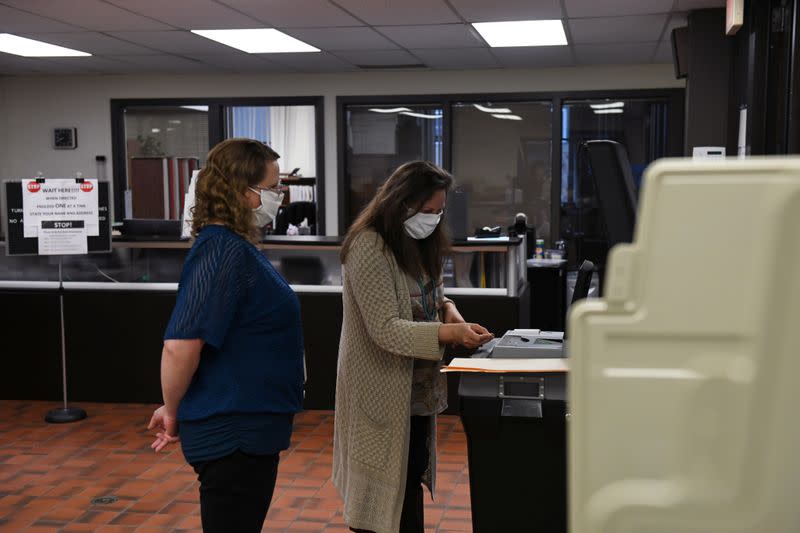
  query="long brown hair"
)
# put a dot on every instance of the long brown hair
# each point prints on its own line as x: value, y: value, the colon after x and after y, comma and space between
x: 409, y: 187
x: 231, y: 167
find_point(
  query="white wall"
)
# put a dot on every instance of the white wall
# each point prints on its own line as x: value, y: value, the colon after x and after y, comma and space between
x: 30, y: 106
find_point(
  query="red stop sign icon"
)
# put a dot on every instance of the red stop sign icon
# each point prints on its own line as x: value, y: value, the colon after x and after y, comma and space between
x: 87, y: 186
x: 34, y: 186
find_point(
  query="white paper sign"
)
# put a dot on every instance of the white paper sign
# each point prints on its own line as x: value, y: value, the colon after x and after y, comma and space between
x: 62, y: 238
x: 59, y: 199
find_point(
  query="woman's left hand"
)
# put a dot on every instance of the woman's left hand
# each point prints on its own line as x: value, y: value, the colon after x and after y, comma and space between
x: 167, y: 426
x: 451, y: 314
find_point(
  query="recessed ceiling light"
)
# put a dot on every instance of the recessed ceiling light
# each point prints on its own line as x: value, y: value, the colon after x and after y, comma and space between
x: 492, y: 109
x: 522, y: 33
x: 420, y: 115
x: 156, y: 130
x: 508, y: 117
x: 611, y: 105
x: 389, y: 109
x: 608, y: 111
x: 20, y: 46
x: 257, y: 41
x: 203, y: 108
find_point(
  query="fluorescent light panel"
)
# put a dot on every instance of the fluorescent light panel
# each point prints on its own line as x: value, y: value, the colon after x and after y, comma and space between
x: 20, y: 46
x: 611, y: 105
x: 203, y: 108
x: 492, y: 109
x: 608, y: 111
x: 522, y: 33
x: 508, y: 117
x: 257, y: 41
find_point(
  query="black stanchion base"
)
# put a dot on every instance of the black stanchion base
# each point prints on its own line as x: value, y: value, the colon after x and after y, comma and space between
x: 63, y: 415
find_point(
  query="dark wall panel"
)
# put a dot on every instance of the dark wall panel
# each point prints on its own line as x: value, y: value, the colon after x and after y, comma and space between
x: 707, y: 86
x: 31, y: 333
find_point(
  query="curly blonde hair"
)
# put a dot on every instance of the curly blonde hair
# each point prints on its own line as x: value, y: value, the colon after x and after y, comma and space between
x: 231, y: 167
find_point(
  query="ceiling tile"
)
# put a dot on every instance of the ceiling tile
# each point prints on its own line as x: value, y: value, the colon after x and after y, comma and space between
x: 642, y: 28
x: 10, y: 64
x: 460, y: 58
x: 174, y: 42
x: 100, y: 65
x: 688, y: 5
x: 664, y: 52
x: 16, y: 21
x: 391, y: 12
x: 89, y: 14
x: 534, y: 56
x: 39, y: 65
x: 241, y: 62
x: 294, y: 13
x: 191, y: 14
x: 615, y: 54
x: 611, y: 8
x: 433, y: 36
x: 379, y: 57
x: 313, y: 62
x: 360, y: 38
x: 488, y: 11
x: 166, y: 63
x: 92, y: 42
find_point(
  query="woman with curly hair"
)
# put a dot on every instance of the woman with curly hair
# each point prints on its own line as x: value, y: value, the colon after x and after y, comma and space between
x: 232, y: 363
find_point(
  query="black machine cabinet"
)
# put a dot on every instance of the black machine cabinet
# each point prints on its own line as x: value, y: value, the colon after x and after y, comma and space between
x: 517, y: 445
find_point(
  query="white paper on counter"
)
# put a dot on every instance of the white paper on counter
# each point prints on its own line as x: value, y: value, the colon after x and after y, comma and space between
x: 507, y: 365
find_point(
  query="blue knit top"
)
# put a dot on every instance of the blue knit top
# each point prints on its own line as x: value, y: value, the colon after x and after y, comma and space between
x: 249, y: 381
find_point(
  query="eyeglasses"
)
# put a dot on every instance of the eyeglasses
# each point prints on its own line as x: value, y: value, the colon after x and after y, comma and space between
x: 277, y: 189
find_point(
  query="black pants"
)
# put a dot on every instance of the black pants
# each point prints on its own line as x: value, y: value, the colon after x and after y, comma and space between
x: 412, y: 519
x: 235, y: 492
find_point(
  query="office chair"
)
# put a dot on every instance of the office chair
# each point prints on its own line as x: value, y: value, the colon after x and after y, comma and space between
x: 294, y: 213
x: 584, y: 281
x: 582, y: 285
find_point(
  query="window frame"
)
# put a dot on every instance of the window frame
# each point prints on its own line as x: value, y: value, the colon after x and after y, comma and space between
x: 216, y: 134
x: 675, y: 96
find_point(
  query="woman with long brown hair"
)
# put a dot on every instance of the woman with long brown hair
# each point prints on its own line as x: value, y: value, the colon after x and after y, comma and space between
x: 396, y: 324
x: 232, y: 363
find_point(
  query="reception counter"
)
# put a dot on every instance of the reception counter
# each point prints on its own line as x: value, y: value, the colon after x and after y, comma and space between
x: 117, y: 305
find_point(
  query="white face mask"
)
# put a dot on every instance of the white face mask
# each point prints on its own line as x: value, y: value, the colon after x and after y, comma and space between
x: 421, y: 225
x: 270, y: 204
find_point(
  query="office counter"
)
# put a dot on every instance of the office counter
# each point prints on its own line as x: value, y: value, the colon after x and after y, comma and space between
x: 117, y: 305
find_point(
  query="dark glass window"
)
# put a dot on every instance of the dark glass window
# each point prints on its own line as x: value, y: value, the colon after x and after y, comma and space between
x: 502, y: 160
x: 382, y: 137
x: 640, y: 125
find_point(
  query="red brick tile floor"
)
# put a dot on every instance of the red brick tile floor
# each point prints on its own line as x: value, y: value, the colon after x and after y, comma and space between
x: 49, y: 475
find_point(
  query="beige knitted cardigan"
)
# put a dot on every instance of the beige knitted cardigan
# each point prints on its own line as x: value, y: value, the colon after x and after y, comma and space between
x: 373, y: 387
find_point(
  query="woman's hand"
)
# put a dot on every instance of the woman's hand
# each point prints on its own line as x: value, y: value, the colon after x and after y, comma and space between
x: 167, y: 424
x: 451, y: 315
x: 468, y: 335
